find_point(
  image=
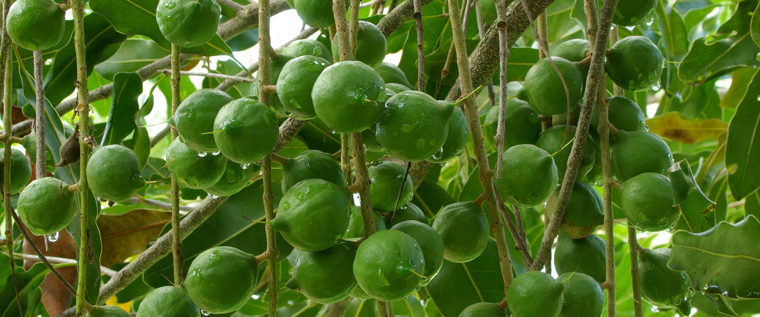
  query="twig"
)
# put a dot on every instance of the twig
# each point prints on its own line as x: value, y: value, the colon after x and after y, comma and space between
x: 338, y: 309
x: 177, y: 258
x: 345, y: 156
x: 519, y: 242
x: 521, y: 228
x: 401, y: 190
x: 353, y: 26
x: 393, y: 5
x: 160, y: 136
x: 231, y: 4
x: 635, y: 277
x: 543, y: 32
x: 398, y: 16
x: 615, y: 183
x: 39, y: 89
x: 501, y: 24
x: 59, y: 260
x: 618, y: 91
x: 279, y: 159
x: 156, y: 203
x: 420, y: 45
x: 737, y: 204
x: 212, y: 75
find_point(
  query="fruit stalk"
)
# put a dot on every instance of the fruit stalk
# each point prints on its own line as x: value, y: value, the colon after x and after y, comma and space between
x: 345, y: 156
x: 484, y: 172
x: 420, y: 45
x: 501, y: 24
x: 39, y: 114
x: 179, y: 263
x: 519, y: 242
x: 543, y: 32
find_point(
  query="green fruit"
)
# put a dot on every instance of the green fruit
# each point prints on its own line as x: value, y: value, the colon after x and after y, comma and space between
x: 532, y: 176
x: 464, y: 230
x: 584, y: 211
x: 346, y: 96
x: 414, y: 126
x: 629, y: 159
x: 459, y: 132
x: 295, y: 83
x: 484, y: 309
x: 561, y: 119
x: 308, y: 47
x: 535, y: 294
x: 114, y: 173
x: 635, y: 63
x: 193, y: 169
x: 543, y: 88
x: 661, y: 286
x: 316, y: 13
x: 553, y: 140
x: 574, y: 50
x: 395, y: 88
x: 194, y: 118
x: 647, y: 200
x: 311, y: 164
x: 431, y: 244
x: 248, y: 130
x: 392, y: 74
x: 313, y: 215
x: 359, y: 293
x: 388, y: 265
x: 46, y: 206
x: 522, y: 124
x: 633, y: 12
x: 356, y: 224
x: 371, y: 45
x: 275, y: 68
x: 488, y: 11
x: 586, y: 255
x: 167, y: 301
x: 235, y: 178
x: 370, y: 140
x: 21, y: 170
x: 108, y: 311
x: 385, y: 182
x: 408, y: 212
x: 325, y: 276
x: 583, y: 296
x: 222, y: 279
x: 35, y: 25
x: 624, y: 114
x: 188, y: 23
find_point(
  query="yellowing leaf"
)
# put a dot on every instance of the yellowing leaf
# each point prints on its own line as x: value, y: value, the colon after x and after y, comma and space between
x: 677, y: 128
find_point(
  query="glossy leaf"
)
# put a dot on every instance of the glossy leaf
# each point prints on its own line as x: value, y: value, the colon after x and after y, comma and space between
x: 696, y: 209
x: 677, y: 128
x: 675, y: 39
x: 755, y: 26
x: 133, y: 55
x: 127, y: 87
x: 740, y: 79
x: 27, y: 282
x: 743, y: 147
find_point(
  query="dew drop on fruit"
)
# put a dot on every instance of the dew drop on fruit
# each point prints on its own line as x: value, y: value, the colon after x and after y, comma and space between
x: 656, y: 86
x: 202, y: 154
x: 286, y: 205
x: 170, y: 5
x: 381, y: 277
x: 205, y: 313
x: 215, y: 153
x: 646, y: 126
x: 420, y: 143
x: 630, y: 28
x: 159, y: 14
x: 53, y: 237
x: 245, y: 166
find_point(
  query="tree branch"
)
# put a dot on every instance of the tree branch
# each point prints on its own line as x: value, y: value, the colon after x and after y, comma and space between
x: 156, y: 203
x: 39, y: 115
x: 417, y: 4
x: 177, y: 259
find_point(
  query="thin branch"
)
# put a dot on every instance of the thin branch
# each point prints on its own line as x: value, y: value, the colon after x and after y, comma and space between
x: 177, y: 258
x: 39, y: 114
x: 394, y: 19
x: 59, y: 260
x: 279, y: 159
x: 160, y: 136
x: 213, y: 75
x: 231, y: 4
x: 635, y: 277
x: 519, y: 242
x: 338, y: 309
x: 353, y: 26
x: 420, y: 45
x: 345, y: 156
x: 156, y: 203
x: 501, y: 24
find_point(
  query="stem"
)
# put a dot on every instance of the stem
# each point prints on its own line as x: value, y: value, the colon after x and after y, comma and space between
x: 353, y: 26
x: 420, y: 45
x: 635, y: 278
x: 278, y: 159
x: 401, y: 189
x: 213, y: 75
x: 231, y: 4
x: 179, y: 263
x: 156, y: 203
x: 501, y: 24
x: 519, y: 242
x: 59, y: 260
x: 345, y: 156
x: 543, y: 32
x: 39, y: 89
x: 338, y: 309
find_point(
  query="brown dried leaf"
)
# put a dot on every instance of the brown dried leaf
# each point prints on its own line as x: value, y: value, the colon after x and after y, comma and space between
x: 129, y: 234
x: 55, y: 296
x: 677, y: 128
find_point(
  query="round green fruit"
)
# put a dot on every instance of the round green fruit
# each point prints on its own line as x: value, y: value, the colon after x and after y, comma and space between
x: 313, y: 215
x: 584, y: 211
x: 356, y: 223
x: 408, y: 212
x: 661, y: 286
x: 431, y: 244
x: 574, y: 50
x: 647, y: 201
x: 311, y: 164
x: 624, y: 114
x: 484, y: 309
x: 347, y: 96
x: 194, y: 118
x: 316, y: 13
x: 371, y: 45
x: 459, y: 132
x: 535, y: 294
x: 325, y: 276
x: 114, y: 173
x: 235, y: 178
x: 395, y: 88
x: 544, y: 90
x: 188, y: 23
x: 386, y: 180
x: 522, y: 124
x: 21, y: 170
x: 630, y: 159
x: 553, y: 140
x: 464, y: 230
x: 414, y: 126
x: 586, y: 255
x: 392, y: 74
x: 193, y: 169
x: 635, y: 63
x: 248, y: 130
x: 370, y: 140
x: 222, y: 279
x: 532, y: 176
x: 562, y: 118
x: 35, y: 25
x: 46, y: 206
x: 108, y: 311
x: 308, y: 47
x: 388, y: 265
x: 167, y: 301
x: 583, y: 296
x: 295, y: 83
x: 633, y: 12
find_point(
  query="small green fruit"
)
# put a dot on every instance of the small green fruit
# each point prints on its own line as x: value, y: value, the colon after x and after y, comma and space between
x: 633, y: 12
x: 553, y: 140
x: 392, y: 74
x: 35, y: 25
x: 21, y: 170
x: 574, y: 50
x: 635, y: 63
x: 235, y: 178
x: 370, y: 140
x: 222, y: 279
x: 295, y: 83
x: 46, y: 206
x: 544, y: 90
x: 431, y: 244
x: 584, y: 211
x: 249, y: 130
x: 325, y: 276
x: 624, y: 114
x: 535, y: 294
x: 167, y: 301
x: 661, y: 286
x: 484, y: 309
x: 385, y: 182
x: 316, y: 13
x: 629, y: 160
x: 388, y: 265
x: 464, y: 230
x: 532, y: 176
x: 194, y: 118
x: 408, y: 212
x: 312, y: 164
x: 395, y: 88
x: 459, y: 132
x: 114, y: 173
x: 371, y: 45
x: 356, y: 224
x: 586, y: 255
x: 188, y: 23
x: 193, y: 169
x: 108, y: 311
x: 308, y: 47
x: 522, y: 124
x: 647, y: 201
x: 583, y: 296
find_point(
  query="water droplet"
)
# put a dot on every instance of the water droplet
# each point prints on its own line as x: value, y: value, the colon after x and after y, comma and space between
x: 433, y: 141
x: 655, y: 309
x: 245, y: 166
x: 159, y: 14
x: 202, y: 154
x: 630, y: 28
x: 656, y: 86
x: 170, y: 5
x: 205, y: 313
x: 53, y: 237
x: 215, y: 153
x: 646, y: 126
x: 254, y: 296
x: 408, y: 127
x: 286, y: 205
x: 215, y: 258
x: 214, y: 196
x: 197, y: 276
x: 420, y: 143
x: 382, y: 279
x: 650, y: 21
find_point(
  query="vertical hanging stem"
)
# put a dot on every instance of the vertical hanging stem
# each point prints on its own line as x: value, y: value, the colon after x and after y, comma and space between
x: 481, y: 33
x: 39, y: 114
x: 353, y: 28
x: 543, y: 32
x: 345, y: 156
x: 501, y: 24
x: 420, y: 45
x: 179, y: 263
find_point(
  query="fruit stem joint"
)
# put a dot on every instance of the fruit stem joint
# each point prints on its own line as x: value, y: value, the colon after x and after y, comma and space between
x: 65, y: 6
x: 73, y: 188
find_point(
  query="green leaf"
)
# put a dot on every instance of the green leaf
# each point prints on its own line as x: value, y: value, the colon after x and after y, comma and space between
x: 742, y: 150
x: 730, y: 48
x: 675, y: 39
x: 752, y: 205
x: 561, y: 25
x: 755, y: 25
x: 699, y: 103
x: 696, y: 209
x: 431, y: 197
x: 140, y: 144
x: 723, y: 260
x: 27, y: 282
x: 740, y: 79
x: 5, y: 269
x: 133, y: 55
x: 127, y: 87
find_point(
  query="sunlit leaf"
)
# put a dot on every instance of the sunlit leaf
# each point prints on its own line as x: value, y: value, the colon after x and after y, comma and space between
x: 739, y: 81
x: 697, y: 211
x: 129, y: 234
x: 673, y: 126
x: 121, y: 119
x: 743, y: 147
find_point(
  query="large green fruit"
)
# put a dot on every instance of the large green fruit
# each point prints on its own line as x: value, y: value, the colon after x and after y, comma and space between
x: 188, y: 23
x: 35, y: 25
x: 356, y: 223
x: 395, y: 88
x: 21, y: 170
x: 371, y: 45
x: 248, y: 130
x: 295, y: 83
x: 222, y: 279
x: 431, y: 244
x: 392, y: 74
x: 553, y: 140
x: 108, y: 311
x: 316, y: 13
x: 46, y: 206
x: 583, y: 296
x: 308, y: 47
x: 114, y: 173
x: 624, y: 114
x: 313, y: 215
x: 535, y: 294
x: 193, y: 169
x: 484, y: 309
x: 408, y: 212
x: 347, y: 96
x: 543, y: 88
x: 661, y: 286
x: 235, y: 178
x: 194, y: 118
x: 531, y: 176
x: 464, y: 230
x: 586, y: 255
x: 388, y: 265
x: 167, y: 301
x: 459, y: 132
x: 639, y: 152
x: 385, y: 182
x: 522, y: 124
x: 414, y: 126
x: 647, y: 201
x: 311, y: 164
x: 574, y: 50
x: 584, y: 211
x: 635, y: 63
x: 633, y: 12
x: 325, y: 276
